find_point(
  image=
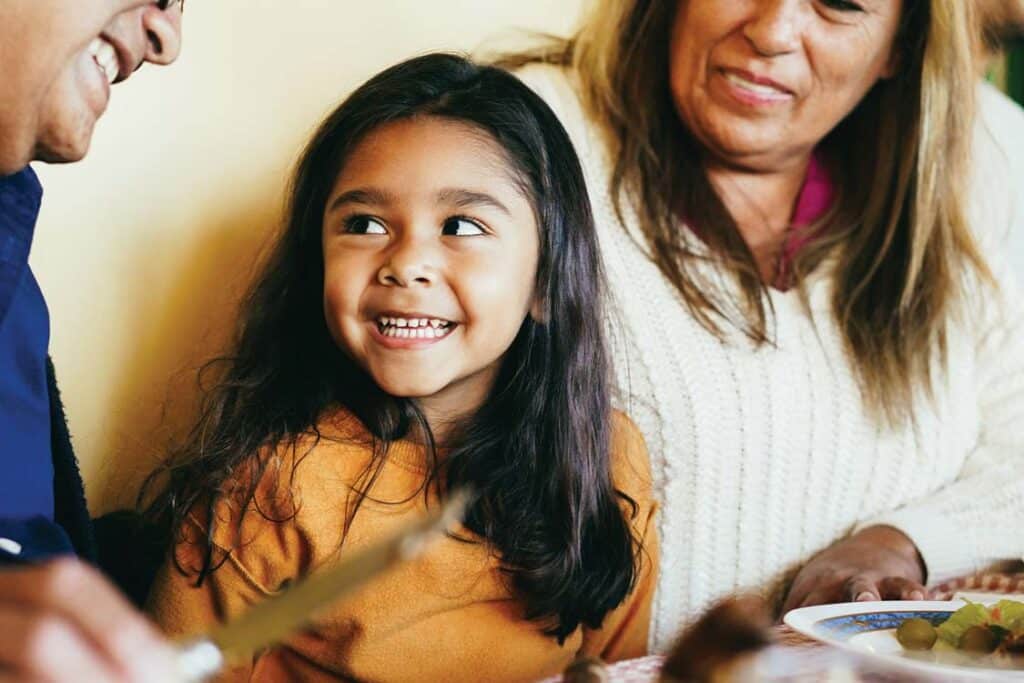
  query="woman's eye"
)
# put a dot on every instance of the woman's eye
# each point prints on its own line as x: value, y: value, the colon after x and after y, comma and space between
x: 364, y: 225
x: 461, y: 227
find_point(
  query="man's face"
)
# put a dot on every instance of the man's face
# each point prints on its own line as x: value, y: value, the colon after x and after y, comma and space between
x: 58, y: 59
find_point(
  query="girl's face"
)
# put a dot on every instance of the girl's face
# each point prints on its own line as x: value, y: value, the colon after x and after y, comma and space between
x: 430, y: 255
x: 761, y: 82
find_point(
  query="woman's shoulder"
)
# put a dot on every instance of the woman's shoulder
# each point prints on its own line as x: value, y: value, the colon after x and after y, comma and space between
x: 997, y: 188
x: 559, y: 87
x: 554, y: 83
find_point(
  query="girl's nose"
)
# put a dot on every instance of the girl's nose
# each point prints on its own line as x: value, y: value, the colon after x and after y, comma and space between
x: 775, y: 26
x: 409, y: 264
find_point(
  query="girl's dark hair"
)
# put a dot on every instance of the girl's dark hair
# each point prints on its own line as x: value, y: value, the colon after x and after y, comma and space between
x: 536, y: 453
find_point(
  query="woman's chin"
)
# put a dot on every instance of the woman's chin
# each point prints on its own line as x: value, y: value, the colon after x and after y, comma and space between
x: 756, y: 150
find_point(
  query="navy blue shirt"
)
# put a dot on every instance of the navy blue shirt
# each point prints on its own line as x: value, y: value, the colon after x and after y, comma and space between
x: 26, y: 459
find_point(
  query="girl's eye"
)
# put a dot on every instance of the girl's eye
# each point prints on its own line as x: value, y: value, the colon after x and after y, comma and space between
x: 843, y: 5
x: 364, y: 225
x: 461, y: 227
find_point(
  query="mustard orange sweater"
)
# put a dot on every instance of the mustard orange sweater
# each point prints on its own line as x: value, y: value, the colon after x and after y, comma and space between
x: 447, y: 616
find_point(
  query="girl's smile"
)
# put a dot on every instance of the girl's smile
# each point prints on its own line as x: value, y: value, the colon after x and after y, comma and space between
x: 430, y: 257
x: 415, y: 331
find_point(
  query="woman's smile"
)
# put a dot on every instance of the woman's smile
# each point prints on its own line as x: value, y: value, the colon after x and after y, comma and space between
x: 758, y: 83
x: 752, y: 90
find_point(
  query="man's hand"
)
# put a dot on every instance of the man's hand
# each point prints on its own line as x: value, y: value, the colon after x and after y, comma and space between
x: 877, y: 563
x: 62, y: 621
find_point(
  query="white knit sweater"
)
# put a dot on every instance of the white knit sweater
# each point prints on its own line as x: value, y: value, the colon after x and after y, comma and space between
x: 764, y: 456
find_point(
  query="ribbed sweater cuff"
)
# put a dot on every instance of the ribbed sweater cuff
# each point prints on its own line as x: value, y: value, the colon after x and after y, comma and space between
x: 943, y: 551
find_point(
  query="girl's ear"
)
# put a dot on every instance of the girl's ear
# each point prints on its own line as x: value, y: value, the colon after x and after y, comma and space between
x: 539, y: 311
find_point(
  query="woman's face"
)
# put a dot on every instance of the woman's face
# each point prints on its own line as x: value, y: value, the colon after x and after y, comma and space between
x: 761, y: 82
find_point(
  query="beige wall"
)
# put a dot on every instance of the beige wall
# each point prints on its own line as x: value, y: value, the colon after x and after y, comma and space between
x: 143, y: 248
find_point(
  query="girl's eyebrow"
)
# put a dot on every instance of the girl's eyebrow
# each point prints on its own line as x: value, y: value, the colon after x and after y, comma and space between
x: 463, y: 198
x: 459, y: 197
x: 369, y: 196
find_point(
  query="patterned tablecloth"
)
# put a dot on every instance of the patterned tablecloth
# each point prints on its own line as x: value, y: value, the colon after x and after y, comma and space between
x: 646, y: 669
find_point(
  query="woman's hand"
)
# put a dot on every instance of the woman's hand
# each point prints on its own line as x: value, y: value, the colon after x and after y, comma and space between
x: 876, y: 563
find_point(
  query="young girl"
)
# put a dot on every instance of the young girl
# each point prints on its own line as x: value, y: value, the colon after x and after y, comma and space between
x: 430, y: 319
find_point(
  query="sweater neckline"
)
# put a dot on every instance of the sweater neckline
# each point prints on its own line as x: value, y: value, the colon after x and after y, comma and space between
x: 405, y: 453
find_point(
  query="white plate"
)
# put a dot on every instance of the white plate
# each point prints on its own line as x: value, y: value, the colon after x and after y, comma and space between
x: 869, y: 629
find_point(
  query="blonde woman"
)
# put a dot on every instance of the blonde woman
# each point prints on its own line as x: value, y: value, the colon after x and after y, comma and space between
x: 815, y: 327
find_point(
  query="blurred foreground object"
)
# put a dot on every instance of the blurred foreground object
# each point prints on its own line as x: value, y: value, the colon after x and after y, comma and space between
x: 727, y: 635
x: 733, y: 643
x: 586, y: 670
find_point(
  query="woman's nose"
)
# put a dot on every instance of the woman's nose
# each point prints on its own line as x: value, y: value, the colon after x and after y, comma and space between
x: 775, y: 26
x: 410, y: 263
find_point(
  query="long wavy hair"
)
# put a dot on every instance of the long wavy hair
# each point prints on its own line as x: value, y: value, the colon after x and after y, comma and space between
x: 536, y: 453
x: 903, y: 251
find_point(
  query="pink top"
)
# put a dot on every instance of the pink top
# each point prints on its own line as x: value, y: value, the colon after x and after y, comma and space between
x: 814, y: 200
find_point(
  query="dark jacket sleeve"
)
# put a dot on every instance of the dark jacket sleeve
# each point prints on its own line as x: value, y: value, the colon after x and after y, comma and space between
x: 70, y: 510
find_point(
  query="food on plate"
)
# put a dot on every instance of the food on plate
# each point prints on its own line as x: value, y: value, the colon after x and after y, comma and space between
x: 916, y: 634
x: 978, y: 639
x: 973, y: 628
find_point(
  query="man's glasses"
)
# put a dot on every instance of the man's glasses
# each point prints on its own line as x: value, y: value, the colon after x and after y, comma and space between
x: 169, y: 4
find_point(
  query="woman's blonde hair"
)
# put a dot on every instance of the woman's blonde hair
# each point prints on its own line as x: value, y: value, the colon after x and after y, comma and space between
x: 898, y: 233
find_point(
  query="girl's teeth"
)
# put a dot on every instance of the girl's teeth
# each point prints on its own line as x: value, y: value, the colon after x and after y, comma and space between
x: 413, y: 333
x: 413, y: 328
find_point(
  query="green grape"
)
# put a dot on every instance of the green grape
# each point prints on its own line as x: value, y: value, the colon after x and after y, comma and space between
x: 916, y: 634
x: 978, y: 639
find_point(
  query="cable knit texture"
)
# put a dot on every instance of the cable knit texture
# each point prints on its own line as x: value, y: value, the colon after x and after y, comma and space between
x: 764, y: 456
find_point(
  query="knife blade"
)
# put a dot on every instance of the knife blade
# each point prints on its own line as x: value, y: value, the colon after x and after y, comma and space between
x: 276, y: 618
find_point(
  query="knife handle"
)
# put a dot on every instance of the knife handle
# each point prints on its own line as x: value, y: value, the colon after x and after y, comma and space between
x: 198, y: 661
